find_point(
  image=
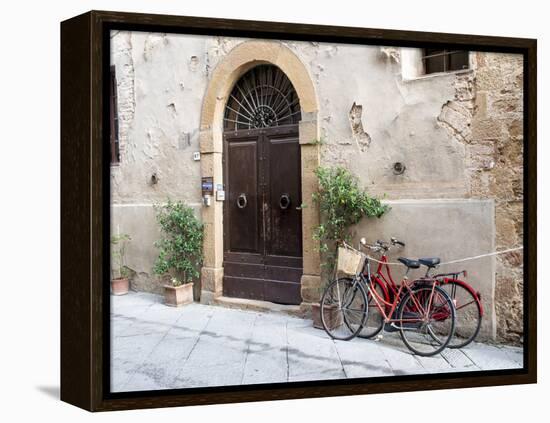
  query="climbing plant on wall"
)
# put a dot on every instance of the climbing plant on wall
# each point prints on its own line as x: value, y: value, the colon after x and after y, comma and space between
x: 342, y: 203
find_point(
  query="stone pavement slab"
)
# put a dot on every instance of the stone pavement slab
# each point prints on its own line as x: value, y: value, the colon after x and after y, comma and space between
x: 154, y: 346
x: 267, y: 355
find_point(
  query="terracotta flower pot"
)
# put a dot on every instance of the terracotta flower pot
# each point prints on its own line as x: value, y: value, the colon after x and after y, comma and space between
x: 120, y: 286
x: 332, y: 317
x: 178, y: 295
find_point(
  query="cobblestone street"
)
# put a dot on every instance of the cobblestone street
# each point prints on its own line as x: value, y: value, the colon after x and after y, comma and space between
x: 158, y: 347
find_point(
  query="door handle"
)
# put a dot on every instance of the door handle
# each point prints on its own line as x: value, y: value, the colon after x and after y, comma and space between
x: 284, y: 202
x: 242, y: 201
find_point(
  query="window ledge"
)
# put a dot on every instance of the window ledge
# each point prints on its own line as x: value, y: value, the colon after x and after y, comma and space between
x: 438, y: 74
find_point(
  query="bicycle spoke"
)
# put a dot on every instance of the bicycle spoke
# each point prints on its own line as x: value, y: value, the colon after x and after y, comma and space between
x: 468, y: 313
x: 436, y: 329
x: 343, y: 308
x: 375, y: 320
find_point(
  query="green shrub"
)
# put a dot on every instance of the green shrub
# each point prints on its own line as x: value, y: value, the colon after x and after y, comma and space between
x: 180, y: 248
x: 342, y: 203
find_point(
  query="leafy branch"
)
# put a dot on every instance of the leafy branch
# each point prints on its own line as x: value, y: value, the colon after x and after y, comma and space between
x: 342, y: 203
x: 180, y: 248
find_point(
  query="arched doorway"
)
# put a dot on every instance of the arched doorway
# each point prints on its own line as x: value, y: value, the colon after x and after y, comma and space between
x: 262, y: 174
x: 228, y: 71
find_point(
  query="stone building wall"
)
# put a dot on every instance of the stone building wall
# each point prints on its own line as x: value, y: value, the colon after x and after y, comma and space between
x: 497, y: 140
x: 486, y: 115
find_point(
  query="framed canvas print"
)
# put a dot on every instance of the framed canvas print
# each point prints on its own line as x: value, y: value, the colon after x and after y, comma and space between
x: 258, y: 210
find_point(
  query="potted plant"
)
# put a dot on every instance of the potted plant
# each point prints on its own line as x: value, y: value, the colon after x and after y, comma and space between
x: 120, y: 283
x: 178, y: 293
x: 342, y: 203
x: 180, y: 251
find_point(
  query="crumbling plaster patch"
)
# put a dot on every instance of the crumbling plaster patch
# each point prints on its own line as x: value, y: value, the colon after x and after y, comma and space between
x: 362, y: 139
x: 152, y: 42
x: 391, y: 53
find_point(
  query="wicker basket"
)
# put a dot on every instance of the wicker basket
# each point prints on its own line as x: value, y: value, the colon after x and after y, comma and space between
x: 350, y: 261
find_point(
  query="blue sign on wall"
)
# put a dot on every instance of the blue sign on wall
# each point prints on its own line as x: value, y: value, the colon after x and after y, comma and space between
x: 207, y: 185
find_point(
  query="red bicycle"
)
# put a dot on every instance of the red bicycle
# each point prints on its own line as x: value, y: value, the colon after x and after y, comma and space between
x: 467, y: 301
x: 423, y: 314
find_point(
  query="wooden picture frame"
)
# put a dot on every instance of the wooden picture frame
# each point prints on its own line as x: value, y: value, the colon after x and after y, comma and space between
x: 85, y: 211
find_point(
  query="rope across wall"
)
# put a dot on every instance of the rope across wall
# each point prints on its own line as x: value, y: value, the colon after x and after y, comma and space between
x: 496, y: 253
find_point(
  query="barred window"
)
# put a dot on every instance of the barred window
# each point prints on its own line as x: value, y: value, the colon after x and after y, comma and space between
x: 114, y: 145
x: 438, y: 60
x: 263, y: 97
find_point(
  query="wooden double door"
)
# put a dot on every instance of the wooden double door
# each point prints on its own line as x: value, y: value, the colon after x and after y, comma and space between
x: 262, y: 214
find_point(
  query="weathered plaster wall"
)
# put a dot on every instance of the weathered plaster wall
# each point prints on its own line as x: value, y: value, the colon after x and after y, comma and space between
x: 398, y: 121
x: 161, y: 81
x: 139, y: 222
x: 444, y: 228
x: 459, y: 136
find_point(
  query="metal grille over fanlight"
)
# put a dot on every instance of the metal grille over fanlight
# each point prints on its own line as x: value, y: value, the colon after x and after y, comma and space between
x: 262, y: 98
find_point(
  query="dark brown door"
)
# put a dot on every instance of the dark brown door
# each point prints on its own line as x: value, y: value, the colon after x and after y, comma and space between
x: 262, y: 214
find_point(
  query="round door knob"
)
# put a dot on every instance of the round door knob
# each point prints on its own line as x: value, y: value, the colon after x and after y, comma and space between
x: 284, y: 202
x: 241, y: 201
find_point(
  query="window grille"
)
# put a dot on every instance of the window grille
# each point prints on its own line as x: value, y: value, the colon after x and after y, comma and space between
x: 263, y: 97
x: 438, y: 60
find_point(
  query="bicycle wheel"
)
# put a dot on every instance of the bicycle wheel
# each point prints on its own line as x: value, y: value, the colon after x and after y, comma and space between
x: 375, y: 321
x: 468, y: 313
x: 344, y: 308
x: 427, y: 320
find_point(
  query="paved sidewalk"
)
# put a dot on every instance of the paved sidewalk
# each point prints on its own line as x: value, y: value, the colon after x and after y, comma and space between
x: 159, y: 347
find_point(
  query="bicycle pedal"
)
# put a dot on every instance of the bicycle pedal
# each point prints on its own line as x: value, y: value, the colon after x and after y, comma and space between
x: 390, y: 327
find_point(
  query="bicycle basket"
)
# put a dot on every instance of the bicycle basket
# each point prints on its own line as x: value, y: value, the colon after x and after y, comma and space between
x: 350, y: 261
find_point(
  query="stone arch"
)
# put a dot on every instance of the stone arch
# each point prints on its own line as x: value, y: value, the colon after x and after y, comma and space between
x: 237, y: 62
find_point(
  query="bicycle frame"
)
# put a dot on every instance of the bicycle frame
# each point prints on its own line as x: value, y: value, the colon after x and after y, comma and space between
x: 386, y: 282
x: 388, y: 279
x: 395, y: 303
x: 466, y: 286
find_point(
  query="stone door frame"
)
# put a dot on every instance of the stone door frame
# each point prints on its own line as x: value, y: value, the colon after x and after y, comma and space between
x: 237, y: 62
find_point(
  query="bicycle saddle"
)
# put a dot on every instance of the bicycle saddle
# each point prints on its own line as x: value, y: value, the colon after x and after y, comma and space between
x: 430, y: 261
x: 411, y: 264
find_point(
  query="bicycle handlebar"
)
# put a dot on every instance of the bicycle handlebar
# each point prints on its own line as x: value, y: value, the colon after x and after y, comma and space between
x: 381, y: 245
x: 396, y: 241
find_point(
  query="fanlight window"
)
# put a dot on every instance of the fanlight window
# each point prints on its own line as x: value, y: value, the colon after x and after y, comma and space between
x: 262, y: 98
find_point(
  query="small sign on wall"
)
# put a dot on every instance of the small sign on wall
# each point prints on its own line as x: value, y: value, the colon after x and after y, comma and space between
x: 207, y: 185
x: 220, y: 193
